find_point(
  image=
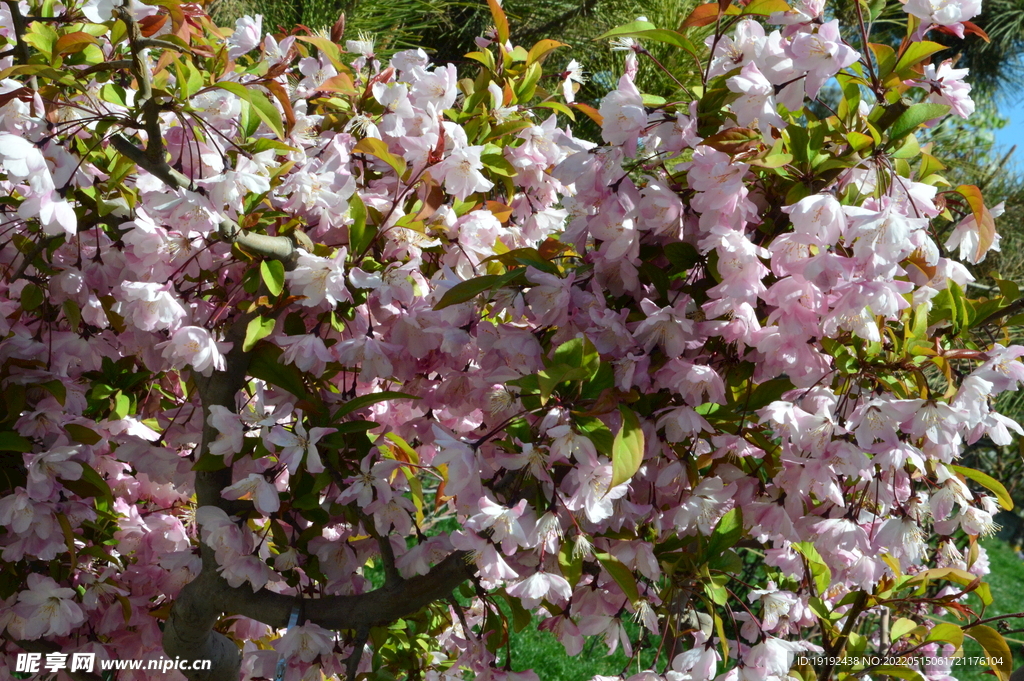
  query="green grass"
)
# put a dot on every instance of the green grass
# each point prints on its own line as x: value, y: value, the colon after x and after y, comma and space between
x: 543, y: 653
x: 1007, y: 583
x: 540, y: 651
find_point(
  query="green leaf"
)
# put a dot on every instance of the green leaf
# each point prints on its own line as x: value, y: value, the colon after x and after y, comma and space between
x: 78, y: 433
x: 627, y: 449
x: 258, y: 329
x: 885, y: 58
x: 726, y: 533
x: 549, y: 377
x: 70, y: 43
x: 91, y: 484
x: 265, y: 366
x: 467, y: 290
x: 236, y: 89
x: 379, y: 149
x: 598, y: 432
x: 368, y: 399
x: 521, y: 617
x: 819, y: 570
x: 12, y: 442
x: 572, y: 565
x: 622, y: 575
x: 579, y: 353
x: 648, y: 31
x: 31, y: 297
x: 859, y: 141
x: 41, y: 36
x: 901, y: 628
x: 682, y: 256
x: 989, y: 483
x: 57, y: 389
x: 541, y: 49
x: 915, y: 54
x: 559, y: 107
x: 484, y: 57
x: 357, y: 426
x: 766, y: 393
x: 766, y: 7
x: 409, y: 452
x: 272, y: 272
x: 267, y: 112
x: 209, y: 463
x: 948, y: 632
x: 1000, y: 658
x: 498, y: 165
x: 917, y: 114
x: 122, y: 404
x: 359, y: 237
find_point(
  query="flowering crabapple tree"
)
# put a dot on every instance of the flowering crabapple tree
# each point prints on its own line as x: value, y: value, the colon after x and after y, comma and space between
x: 320, y: 366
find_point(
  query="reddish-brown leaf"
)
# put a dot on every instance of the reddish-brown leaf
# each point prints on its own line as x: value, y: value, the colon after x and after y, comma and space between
x: 591, y: 112
x: 151, y: 24
x: 431, y: 202
x: 73, y: 42
x: 702, y: 15
x: 499, y: 210
x: 282, y: 99
x: 338, y: 29
x: 973, y: 28
x: 735, y: 141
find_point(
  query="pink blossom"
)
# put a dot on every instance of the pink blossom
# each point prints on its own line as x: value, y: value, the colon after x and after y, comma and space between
x: 48, y: 609
x: 941, y: 13
x: 255, y: 487
x: 229, y: 432
x: 460, y: 172
x: 305, y: 642
x: 624, y: 115
x: 299, y: 445
x: 541, y: 586
x: 195, y: 346
x: 319, y: 279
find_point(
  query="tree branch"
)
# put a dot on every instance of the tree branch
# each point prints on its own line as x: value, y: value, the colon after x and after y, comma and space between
x: 189, y: 633
x: 153, y: 158
x: 276, y: 247
x: 21, y: 51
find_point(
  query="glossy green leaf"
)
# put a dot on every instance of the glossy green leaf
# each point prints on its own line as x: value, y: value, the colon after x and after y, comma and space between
x: 572, y: 565
x: 915, y: 116
x: 12, y: 442
x: 901, y: 628
x: 1000, y: 658
x: 948, y: 632
x: 359, y: 236
x: 627, y: 449
x: 272, y: 272
x: 726, y: 533
x: 622, y: 575
x: 267, y: 112
x: 258, y: 328
x: 265, y: 366
x: 363, y: 401
x: 989, y: 483
x: 467, y: 290
x: 379, y: 149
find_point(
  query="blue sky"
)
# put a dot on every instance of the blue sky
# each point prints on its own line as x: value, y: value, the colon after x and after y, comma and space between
x: 1012, y: 107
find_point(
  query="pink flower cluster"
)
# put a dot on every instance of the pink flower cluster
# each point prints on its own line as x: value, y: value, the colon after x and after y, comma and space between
x: 592, y: 368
